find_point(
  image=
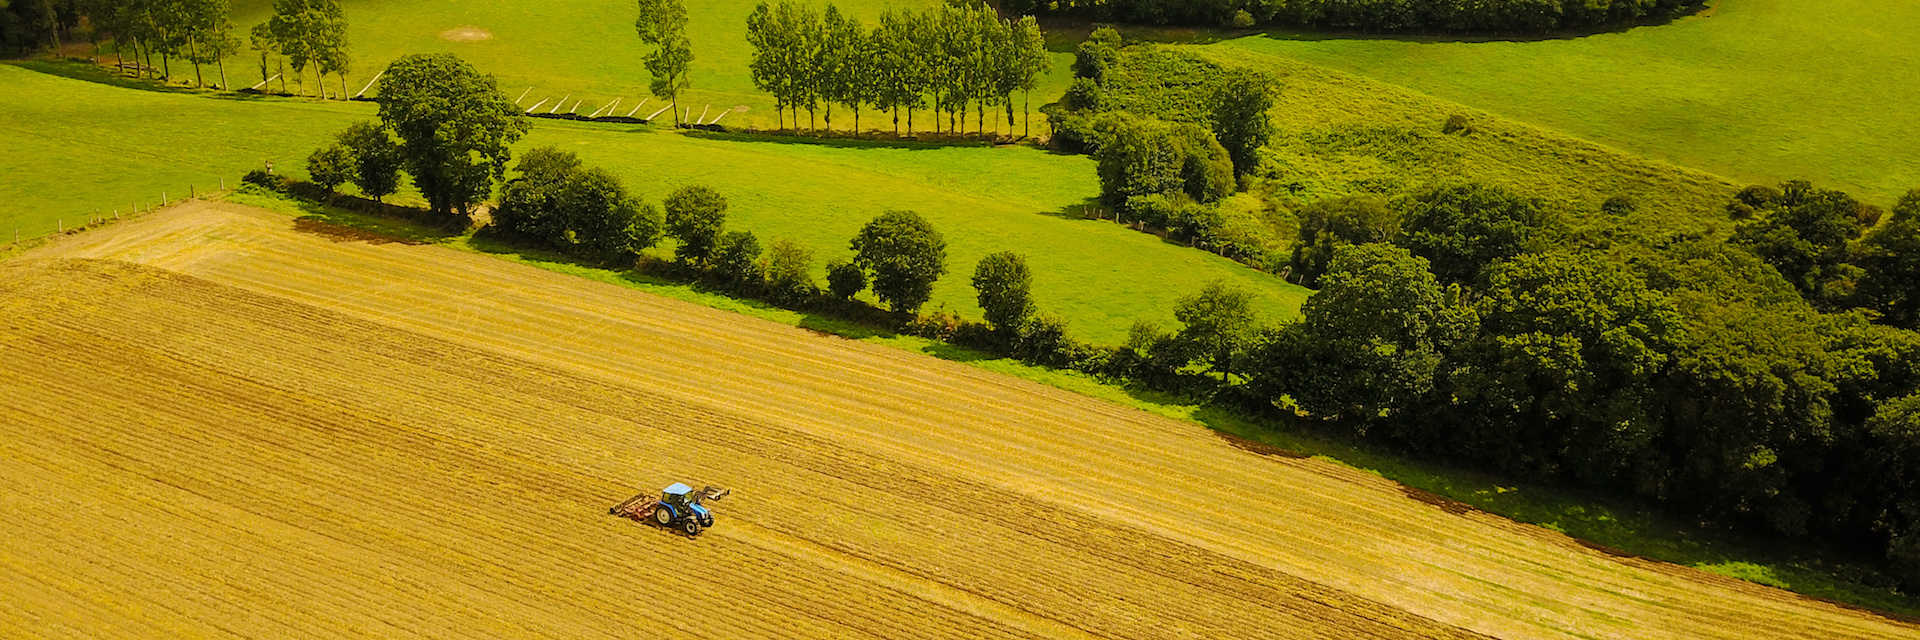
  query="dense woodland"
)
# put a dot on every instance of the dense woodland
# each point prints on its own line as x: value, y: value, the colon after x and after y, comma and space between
x: 1765, y: 377
x: 1415, y: 16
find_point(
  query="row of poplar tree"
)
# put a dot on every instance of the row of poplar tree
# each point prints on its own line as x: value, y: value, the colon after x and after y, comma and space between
x: 307, y: 34
x: 951, y: 58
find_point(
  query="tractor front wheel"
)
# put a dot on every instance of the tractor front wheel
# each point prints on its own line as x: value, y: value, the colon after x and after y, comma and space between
x: 663, y: 515
x: 693, y: 528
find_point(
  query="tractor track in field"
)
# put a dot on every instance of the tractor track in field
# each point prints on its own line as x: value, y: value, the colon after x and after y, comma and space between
x: 224, y: 422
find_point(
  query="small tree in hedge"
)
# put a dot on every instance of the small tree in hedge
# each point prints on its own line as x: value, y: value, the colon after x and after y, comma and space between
x: 789, y: 272
x: 376, y: 159
x: 1005, y: 290
x: 1240, y: 119
x: 1217, y: 324
x: 1097, y: 54
x: 604, y: 221
x: 531, y: 203
x: 695, y: 215
x: 905, y: 254
x: 736, y: 259
x: 1144, y: 157
x: 330, y: 167
x: 845, y: 279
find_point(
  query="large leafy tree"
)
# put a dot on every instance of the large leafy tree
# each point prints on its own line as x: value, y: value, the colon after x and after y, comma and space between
x: 1239, y: 108
x: 558, y: 200
x: 1327, y: 225
x: 376, y: 159
x: 905, y: 254
x: 695, y: 216
x: 1895, y: 432
x: 208, y: 29
x: 840, y: 39
x: 1144, y: 157
x: 455, y: 128
x: 1561, y: 376
x: 1005, y: 290
x: 1806, y: 233
x: 605, y: 222
x: 531, y: 204
x: 1217, y: 325
x: 1462, y: 229
x: 1373, y: 339
x: 903, y: 67
x: 663, y: 25
x: 767, y: 66
x: 1890, y: 257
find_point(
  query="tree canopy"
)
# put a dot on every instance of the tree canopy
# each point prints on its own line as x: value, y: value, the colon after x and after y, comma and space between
x: 455, y: 128
x: 663, y: 25
x: 905, y: 255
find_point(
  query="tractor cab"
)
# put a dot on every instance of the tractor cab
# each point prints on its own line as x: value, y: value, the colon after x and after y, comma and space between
x: 676, y: 494
x: 682, y: 502
x: 679, y: 506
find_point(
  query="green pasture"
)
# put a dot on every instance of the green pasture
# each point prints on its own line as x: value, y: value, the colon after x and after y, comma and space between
x: 1759, y: 90
x: 1099, y: 275
x: 587, y: 49
x: 1339, y: 134
x: 74, y: 148
x: 87, y: 145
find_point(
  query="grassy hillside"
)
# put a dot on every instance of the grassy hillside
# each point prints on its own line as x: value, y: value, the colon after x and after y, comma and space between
x: 1338, y: 134
x: 1755, y: 89
x: 1100, y: 276
x: 583, y: 48
x: 73, y: 148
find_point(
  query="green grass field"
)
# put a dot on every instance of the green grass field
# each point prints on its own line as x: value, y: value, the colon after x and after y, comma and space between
x: 89, y: 145
x: 586, y: 49
x: 1338, y: 134
x: 74, y: 147
x: 1759, y: 90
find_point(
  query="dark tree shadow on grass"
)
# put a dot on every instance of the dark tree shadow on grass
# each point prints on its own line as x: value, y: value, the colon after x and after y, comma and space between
x: 922, y: 141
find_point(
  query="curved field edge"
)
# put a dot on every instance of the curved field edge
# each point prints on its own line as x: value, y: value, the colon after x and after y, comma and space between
x: 85, y: 146
x: 1145, y: 525
x: 1612, y: 525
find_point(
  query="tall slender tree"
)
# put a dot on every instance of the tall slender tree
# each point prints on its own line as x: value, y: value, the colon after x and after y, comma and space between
x: 663, y: 24
x: 1030, y: 53
x: 833, y: 67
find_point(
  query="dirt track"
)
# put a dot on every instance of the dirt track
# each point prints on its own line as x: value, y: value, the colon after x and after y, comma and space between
x: 229, y: 426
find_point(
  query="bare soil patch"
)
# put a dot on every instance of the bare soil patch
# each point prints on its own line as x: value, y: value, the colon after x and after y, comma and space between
x: 466, y: 34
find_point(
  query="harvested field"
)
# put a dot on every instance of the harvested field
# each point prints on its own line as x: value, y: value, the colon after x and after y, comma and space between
x: 217, y: 421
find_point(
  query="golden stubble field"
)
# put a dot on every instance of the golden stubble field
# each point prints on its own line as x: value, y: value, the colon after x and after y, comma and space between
x: 215, y: 421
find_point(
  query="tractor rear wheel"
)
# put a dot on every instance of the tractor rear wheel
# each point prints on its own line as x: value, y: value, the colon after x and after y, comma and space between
x: 663, y: 515
x: 693, y: 528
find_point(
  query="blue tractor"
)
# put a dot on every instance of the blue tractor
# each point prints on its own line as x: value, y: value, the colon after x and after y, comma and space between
x: 679, y: 507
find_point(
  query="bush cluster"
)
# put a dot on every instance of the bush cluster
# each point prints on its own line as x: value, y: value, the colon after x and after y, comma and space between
x: 559, y: 202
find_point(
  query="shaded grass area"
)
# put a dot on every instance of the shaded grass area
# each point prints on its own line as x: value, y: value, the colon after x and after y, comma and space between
x: 1611, y: 526
x: 1761, y: 90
